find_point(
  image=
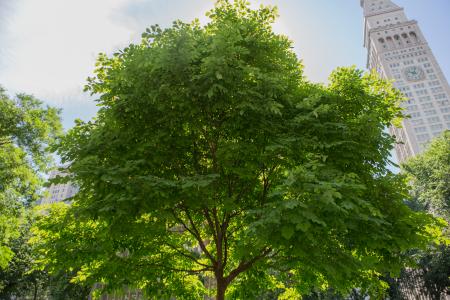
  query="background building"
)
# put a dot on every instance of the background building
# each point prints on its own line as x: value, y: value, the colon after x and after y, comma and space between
x: 59, y: 192
x: 398, y: 50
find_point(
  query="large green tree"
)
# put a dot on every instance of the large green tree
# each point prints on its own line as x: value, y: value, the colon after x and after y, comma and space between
x: 214, y: 164
x: 26, y: 130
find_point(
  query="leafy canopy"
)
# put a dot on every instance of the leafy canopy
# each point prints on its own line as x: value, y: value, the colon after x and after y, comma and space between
x: 212, y: 158
x: 429, y: 175
x: 26, y: 130
x: 429, y: 178
x: 21, y: 280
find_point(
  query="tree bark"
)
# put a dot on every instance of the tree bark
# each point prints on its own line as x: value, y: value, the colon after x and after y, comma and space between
x: 221, y: 288
x: 35, y: 291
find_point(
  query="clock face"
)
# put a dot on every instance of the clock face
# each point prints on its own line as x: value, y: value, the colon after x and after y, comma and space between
x: 414, y: 73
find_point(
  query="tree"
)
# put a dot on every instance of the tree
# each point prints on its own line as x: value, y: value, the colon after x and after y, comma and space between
x: 20, y: 279
x: 429, y: 177
x: 26, y: 130
x: 212, y: 157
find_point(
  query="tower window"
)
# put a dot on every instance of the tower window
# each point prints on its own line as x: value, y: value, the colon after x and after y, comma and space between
x: 413, y: 35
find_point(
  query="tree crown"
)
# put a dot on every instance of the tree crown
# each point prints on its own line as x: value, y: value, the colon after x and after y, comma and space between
x: 212, y: 156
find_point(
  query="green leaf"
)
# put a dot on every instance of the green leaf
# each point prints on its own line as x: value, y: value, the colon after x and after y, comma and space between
x: 287, y: 232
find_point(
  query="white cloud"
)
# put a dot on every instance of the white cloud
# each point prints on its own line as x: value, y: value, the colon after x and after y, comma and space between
x: 48, y: 47
x: 55, y: 43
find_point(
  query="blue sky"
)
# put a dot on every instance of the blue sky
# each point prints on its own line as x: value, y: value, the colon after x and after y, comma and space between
x: 48, y: 47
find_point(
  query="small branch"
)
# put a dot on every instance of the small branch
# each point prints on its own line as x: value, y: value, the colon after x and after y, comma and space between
x: 199, y: 238
x: 243, y: 266
x: 194, y: 232
x: 179, y: 220
x: 187, y: 256
x: 225, y: 256
x: 210, y: 224
x: 5, y: 141
x: 216, y: 222
x: 175, y: 269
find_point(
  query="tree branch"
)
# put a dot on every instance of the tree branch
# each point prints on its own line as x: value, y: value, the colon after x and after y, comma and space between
x: 194, y: 232
x: 210, y: 224
x: 243, y: 266
x: 174, y: 269
x: 187, y: 256
x: 199, y: 238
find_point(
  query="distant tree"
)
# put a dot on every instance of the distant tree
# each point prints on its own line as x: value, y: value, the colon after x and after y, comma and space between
x: 18, y: 279
x: 429, y: 177
x: 26, y: 130
x: 212, y: 159
x: 21, y: 280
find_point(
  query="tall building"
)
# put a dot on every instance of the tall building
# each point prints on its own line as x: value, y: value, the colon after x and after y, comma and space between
x: 59, y: 192
x: 398, y: 50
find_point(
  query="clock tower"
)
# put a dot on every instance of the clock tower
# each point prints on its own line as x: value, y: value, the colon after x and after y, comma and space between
x: 397, y: 50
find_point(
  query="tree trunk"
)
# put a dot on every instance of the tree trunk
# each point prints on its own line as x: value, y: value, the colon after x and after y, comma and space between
x: 35, y: 291
x: 221, y: 288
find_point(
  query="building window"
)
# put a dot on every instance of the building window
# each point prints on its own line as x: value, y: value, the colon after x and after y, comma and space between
x: 417, y: 122
x: 434, y: 83
x: 433, y: 120
x: 427, y: 105
x: 425, y: 99
x: 413, y: 36
x: 423, y: 137
x: 436, y: 127
x: 436, y: 89
x: 422, y: 92
x: 420, y: 129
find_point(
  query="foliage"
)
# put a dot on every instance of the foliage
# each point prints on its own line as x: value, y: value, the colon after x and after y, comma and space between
x: 436, y: 269
x: 18, y: 279
x: 429, y: 177
x: 26, y: 129
x: 21, y: 280
x: 212, y: 157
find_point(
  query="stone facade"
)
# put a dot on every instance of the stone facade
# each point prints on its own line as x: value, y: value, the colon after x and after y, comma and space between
x: 398, y: 50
